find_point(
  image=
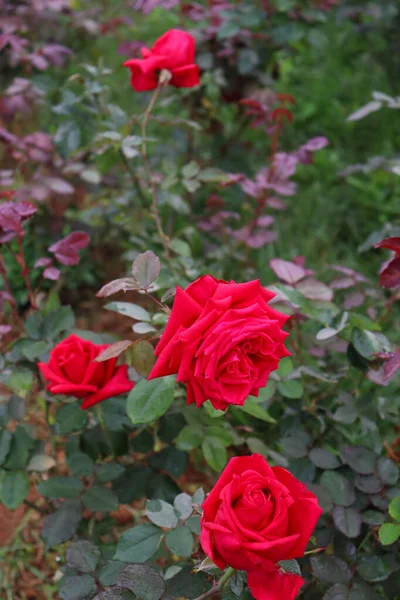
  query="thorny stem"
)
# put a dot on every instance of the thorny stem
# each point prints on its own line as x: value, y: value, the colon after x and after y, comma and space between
x: 220, y: 585
x: 25, y: 273
x: 154, y: 207
x: 7, y: 286
x: 160, y: 304
x: 35, y: 507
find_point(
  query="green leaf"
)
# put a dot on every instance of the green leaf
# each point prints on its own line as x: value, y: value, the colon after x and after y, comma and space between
x: 35, y: 349
x: 21, y: 445
x: 199, y: 497
x: 193, y: 584
x: 212, y: 174
x: 143, y: 358
x: 340, y: 489
x: 285, y: 367
x: 181, y: 247
x: 14, y: 488
x: 180, y: 541
x: 374, y: 568
x: 62, y: 524
x: 290, y: 566
x: 68, y: 138
x: 394, y: 509
x: 57, y: 321
x: 387, y: 470
x: 80, y: 464
x: 132, y: 484
x: 183, y: 506
x: 143, y: 581
x: 19, y: 381
x: 115, y: 593
x: 5, y: 444
x: 373, y: 517
x: 330, y: 569
x: 143, y: 443
x: 33, y: 325
x: 170, y: 459
x: 194, y: 524
x: 100, y: 499
x: 215, y: 453
x: 389, y: 533
x: 70, y: 417
x: 83, y: 556
x: 255, y: 410
x: 108, y: 574
x: 290, y: 389
x: 114, y: 415
x: 130, y: 146
x: 368, y: 343
x: 324, y: 459
x: 347, y: 520
x: 190, y: 170
x: 139, y: 544
x: 360, y: 459
x: 295, y: 443
x: 219, y: 432
x: 108, y: 472
x: 77, y: 587
x: 134, y: 311
x: 60, y: 487
x: 146, y: 268
x: 149, y: 400
x: 190, y: 437
x: 161, y: 513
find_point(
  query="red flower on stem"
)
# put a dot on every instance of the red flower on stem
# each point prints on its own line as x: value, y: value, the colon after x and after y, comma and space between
x: 174, y: 52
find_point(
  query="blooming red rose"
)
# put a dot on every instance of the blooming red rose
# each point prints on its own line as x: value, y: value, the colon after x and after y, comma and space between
x: 223, y: 341
x: 254, y: 517
x: 71, y: 370
x: 174, y: 52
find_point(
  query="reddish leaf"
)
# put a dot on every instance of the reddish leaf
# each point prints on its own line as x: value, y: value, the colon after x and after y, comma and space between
x: 286, y: 270
x: 342, y: 283
x: 392, y: 243
x: 392, y: 365
x: 51, y: 273
x: 315, y: 290
x: 43, y: 261
x: 118, y: 285
x: 113, y: 350
x: 66, y: 250
x: 390, y: 276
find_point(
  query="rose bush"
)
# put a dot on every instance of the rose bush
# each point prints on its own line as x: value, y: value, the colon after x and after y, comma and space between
x: 254, y: 517
x: 223, y: 340
x: 174, y: 51
x: 72, y: 370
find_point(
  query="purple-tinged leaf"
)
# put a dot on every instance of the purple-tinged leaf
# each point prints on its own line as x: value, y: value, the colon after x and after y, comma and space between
x: 287, y: 271
x: 146, y: 268
x: 365, y: 110
x: 124, y: 284
x: 43, y: 261
x: 353, y: 300
x: 392, y: 365
x: 342, y: 283
x: 59, y: 186
x: 258, y: 239
x: 315, y: 290
x: 113, y: 350
x: 66, y: 250
x: 51, y: 273
x: 350, y: 272
x: 265, y: 221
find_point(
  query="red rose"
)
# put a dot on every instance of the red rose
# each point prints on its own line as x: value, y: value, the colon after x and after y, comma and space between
x: 173, y: 51
x: 71, y: 370
x: 222, y: 339
x: 254, y: 517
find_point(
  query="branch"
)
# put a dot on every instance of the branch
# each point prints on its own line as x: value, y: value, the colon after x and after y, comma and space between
x: 220, y: 585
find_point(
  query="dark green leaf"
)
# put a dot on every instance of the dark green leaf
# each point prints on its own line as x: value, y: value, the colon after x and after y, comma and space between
x: 77, y: 587
x: 83, y: 556
x: 373, y: 568
x: 132, y: 484
x: 139, y: 544
x: 180, y: 541
x: 16, y: 407
x: 360, y: 459
x: 369, y: 484
x: 5, y: 444
x: 340, y: 489
x: 236, y: 583
x: 70, y: 418
x: 170, y: 426
x: 387, y: 470
x: 100, y: 499
x: 255, y: 410
x: 295, y: 443
x: 290, y: 566
x: 190, y: 437
x: 193, y: 584
x: 33, y: 325
x: 143, y: 443
x: 194, y: 524
x: 60, y: 487
x: 21, y: 445
x: 330, y: 569
x: 324, y: 459
x: 108, y: 574
x: 57, y: 321
x: 80, y: 464
x: 149, y: 400
x: 34, y: 350
x: 324, y: 499
x: 61, y: 525
x: 143, y: 581
x: 14, y: 488
x: 290, y: 388
x: 134, y: 311
x: 303, y: 469
x: 162, y: 487
x: 373, y: 517
x: 109, y: 472
x: 368, y: 343
x: 347, y: 520
x: 114, y: 414
x: 171, y: 460
x: 115, y: 593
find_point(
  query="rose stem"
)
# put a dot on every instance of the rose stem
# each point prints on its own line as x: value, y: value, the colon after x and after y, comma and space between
x: 25, y: 273
x: 220, y: 585
x: 7, y: 286
x: 165, y: 308
x: 104, y: 430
